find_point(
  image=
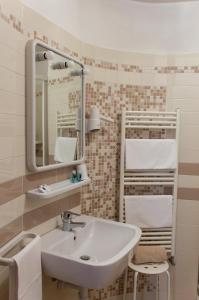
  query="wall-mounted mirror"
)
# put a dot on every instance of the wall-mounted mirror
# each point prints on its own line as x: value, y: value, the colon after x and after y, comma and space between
x: 55, y: 108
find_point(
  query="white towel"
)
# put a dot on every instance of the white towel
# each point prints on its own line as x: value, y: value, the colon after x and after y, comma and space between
x: 65, y: 149
x: 26, y: 274
x: 142, y: 154
x: 149, y: 211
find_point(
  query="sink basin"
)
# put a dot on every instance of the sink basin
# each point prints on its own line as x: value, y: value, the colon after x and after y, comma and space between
x: 90, y: 257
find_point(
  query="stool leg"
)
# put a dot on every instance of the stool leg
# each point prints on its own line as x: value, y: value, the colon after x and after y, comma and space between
x: 168, y: 285
x: 125, y: 283
x: 135, y: 285
x: 157, y: 287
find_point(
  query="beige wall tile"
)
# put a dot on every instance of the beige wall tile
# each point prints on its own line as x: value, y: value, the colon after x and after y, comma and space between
x: 12, y: 7
x: 14, y: 39
x: 19, y: 125
x: 190, y: 105
x: 185, y: 296
x: 190, y: 79
x: 7, y: 147
x: 52, y: 223
x: 190, y: 118
x: 10, y: 190
x: 187, y: 59
x: 188, y: 136
x: 11, y: 210
x: 45, y: 227
x: 188, y: 212
x: 19, y: 146
x: 64, y: 173
x: 183, y: 92
x: 11, y: 168
x: 10, y: 231
x: 189, y: 169
x: 11, y: 103
x: 40, y: 215
x: 12, y: 82
x: 187, y: 238
x: 188, y: 181
x: 186, y: 273
x: 31, y: 204
x: 12, y: 60
x: 7, y: 125
x: 31, y: 181
x: 19, y: 166
x: 185, y: 193
x: 188, y: 155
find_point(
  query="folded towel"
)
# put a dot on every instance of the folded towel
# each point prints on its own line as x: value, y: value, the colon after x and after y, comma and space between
x: 149, y: 254
x: 65, y: 149
x: 26, y: 274
x: 151, y: 154
x: 149, y: 211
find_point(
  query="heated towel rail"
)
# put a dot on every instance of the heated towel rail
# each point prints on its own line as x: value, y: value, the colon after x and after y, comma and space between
x: 65, y: 121
x: 167, y: 123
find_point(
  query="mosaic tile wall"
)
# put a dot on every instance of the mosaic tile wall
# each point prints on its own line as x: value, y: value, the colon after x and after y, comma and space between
x: 103, y: 146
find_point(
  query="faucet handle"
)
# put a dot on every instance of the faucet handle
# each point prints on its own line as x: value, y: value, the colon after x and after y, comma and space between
x: 68, y: 214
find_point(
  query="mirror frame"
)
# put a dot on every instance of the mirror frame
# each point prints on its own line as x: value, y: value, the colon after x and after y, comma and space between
x: 30, y: 109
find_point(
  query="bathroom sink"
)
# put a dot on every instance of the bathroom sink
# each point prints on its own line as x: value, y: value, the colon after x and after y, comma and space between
x: 90, y: 257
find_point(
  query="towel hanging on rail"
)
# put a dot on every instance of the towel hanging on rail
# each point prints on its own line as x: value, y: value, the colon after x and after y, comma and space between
x: 65, y: 149
x: 26, y: 273
x: 149, y: 211
x: 142, y: 154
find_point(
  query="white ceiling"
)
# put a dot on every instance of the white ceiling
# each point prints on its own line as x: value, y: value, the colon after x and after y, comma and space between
x: 164, y: 1
x: 127, y: 25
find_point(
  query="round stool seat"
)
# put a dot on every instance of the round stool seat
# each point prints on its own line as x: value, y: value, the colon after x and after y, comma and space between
x: 150, y: 268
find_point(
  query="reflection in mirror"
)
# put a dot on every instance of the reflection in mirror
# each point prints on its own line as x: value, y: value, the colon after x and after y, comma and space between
x: 58, y: 108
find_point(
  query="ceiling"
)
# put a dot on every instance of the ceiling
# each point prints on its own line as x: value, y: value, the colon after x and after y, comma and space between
x: 164, y: 1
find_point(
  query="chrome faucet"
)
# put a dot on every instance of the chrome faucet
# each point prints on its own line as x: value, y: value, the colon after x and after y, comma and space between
x: 68, y: 223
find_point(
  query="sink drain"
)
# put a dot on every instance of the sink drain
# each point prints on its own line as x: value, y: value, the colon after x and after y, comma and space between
x: 85, y: 257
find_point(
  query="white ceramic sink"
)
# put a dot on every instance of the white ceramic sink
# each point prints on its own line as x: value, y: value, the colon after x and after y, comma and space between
x: 106, y: 243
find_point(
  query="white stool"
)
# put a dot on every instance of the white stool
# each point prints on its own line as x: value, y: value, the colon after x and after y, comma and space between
x: 148, y: 269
